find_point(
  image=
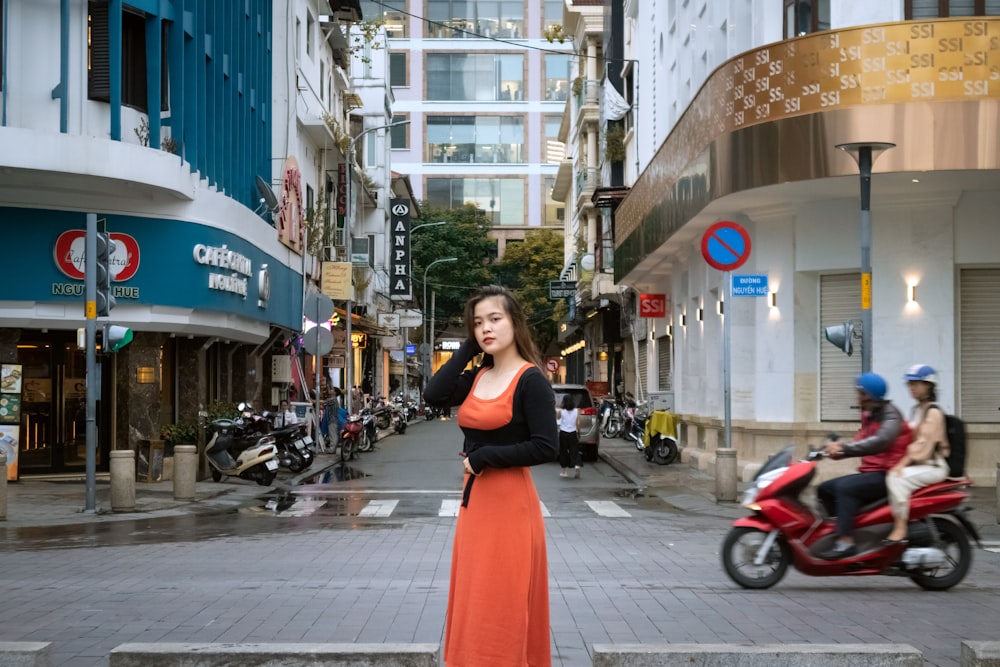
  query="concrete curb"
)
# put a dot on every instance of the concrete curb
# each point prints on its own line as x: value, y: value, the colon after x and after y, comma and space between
x: 286, y: 655
x: 25, y: 654
x: 764, y: 655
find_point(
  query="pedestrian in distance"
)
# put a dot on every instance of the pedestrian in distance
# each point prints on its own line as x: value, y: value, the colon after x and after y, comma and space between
x: 286, y: 416
x: 881, y: 443
x: 498, y: 600
x: 568, y: 416
x: 925, y: 459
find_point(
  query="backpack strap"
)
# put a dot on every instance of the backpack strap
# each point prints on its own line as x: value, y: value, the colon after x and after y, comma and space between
x: 937, y: 445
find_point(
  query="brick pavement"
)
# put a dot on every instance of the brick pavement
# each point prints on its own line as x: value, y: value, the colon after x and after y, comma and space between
x: 650, y: 578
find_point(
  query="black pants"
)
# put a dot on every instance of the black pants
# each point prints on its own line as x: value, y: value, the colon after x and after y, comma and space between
x: 569, y: 449
x: 844, y: 496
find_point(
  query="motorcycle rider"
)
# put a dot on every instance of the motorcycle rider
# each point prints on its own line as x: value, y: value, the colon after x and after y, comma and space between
x: 881, y: 443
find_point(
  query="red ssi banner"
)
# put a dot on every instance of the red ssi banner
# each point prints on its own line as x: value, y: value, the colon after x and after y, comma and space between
x: 652, y: 305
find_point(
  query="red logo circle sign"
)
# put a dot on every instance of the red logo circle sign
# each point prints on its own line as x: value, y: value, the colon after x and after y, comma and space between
x: 552, y: 364
x: 725, y: 245
x: 70, y: 255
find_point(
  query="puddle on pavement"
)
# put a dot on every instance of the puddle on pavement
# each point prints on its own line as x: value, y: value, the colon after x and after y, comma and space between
x: 338, y: 473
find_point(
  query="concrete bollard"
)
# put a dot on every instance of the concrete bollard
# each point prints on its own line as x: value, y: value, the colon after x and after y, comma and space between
x: 725, y: 475
x: 122, y: 480
x: 3, y: 486
x: 185, y: 471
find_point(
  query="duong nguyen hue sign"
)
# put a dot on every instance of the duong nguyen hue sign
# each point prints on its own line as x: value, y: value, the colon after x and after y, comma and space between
x: 653, y: 305
x: 399, y: 261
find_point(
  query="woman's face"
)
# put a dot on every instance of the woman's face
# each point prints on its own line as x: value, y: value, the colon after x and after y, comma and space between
x: 493, y: 328
x: 918, y: 388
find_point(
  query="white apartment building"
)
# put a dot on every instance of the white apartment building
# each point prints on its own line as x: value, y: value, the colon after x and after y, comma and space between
x: 484, y: 92
x: 738, y: 110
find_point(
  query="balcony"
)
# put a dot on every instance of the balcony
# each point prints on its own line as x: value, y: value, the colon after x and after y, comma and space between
x: 587, y: 180
x: 586, y: 101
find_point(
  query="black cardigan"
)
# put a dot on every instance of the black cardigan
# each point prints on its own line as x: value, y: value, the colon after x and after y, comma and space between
x: 531, y: 437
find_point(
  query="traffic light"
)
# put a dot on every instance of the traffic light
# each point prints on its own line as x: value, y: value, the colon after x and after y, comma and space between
x: 841, y: 335
x: 116, y: 337
x: 105, y: 296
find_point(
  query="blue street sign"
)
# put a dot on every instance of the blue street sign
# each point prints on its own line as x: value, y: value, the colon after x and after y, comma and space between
x: 411, y: 349
x: 750, y: 285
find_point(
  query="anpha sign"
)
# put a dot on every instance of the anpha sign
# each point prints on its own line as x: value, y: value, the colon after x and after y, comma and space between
x: 399, y: 262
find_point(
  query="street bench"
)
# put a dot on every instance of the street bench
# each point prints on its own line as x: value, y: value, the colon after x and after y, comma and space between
x: 25, y: 654
x: 763, y: 655
x: 980, y: 654
x: 163, y: 654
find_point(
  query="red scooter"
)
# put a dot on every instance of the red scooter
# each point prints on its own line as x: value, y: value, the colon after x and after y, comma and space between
x: 784, y: 531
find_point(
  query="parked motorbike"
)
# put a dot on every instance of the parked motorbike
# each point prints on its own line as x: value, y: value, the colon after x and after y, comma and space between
x: 661, y: 448
x: 293, y: 447
x: 784, y: 531
x: 611, y: 418
x: 369, y: 431
x: 350, y: 437
x: 234, y: 451
x: 400, y: 416
x: 381, y: 412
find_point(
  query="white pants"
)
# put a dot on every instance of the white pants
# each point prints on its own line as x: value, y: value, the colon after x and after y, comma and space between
x: 902, y: 486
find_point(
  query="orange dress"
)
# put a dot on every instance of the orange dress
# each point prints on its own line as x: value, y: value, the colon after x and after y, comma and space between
x: 498, y: 602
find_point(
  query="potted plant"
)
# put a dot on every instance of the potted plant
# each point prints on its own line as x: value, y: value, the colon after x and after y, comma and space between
x: 614, y: 150
x: 181, y: 433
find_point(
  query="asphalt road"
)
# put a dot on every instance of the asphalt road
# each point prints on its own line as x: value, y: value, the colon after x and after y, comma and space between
x: 361, y: 553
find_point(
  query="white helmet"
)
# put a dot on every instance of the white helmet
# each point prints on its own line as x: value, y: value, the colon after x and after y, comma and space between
x: 921, y: 373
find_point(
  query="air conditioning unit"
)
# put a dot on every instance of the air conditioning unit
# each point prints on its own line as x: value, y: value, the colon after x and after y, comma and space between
x: 361, y: 250
x: 329, y: 253
x: 338, y: 238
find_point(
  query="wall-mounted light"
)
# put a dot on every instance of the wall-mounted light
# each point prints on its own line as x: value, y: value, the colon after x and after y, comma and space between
x: 720, y: 307
x: 772, y: 299
x: 911, y: 292
x: 700, y: 314
x: 670, y: 329
x: 145, y: 374
x: 684, y: 320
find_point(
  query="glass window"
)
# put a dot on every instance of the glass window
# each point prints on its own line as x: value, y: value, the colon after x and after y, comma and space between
x: 553, y: 211
x: 932, y: 9
x: 475, y: 139
x: 553, y: 13
x: 399, y: 136
x: 398, y: 75
x: 133, y: 59
x: 483, y: 77
x: 458, y: 19
x: 502, y: 199
x: 309, y: 33
x: 556, y: 77
x: 392, y: 13
x: 555, y: 150
x: 805, y: 16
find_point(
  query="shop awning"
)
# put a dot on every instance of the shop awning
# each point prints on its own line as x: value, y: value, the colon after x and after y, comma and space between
x: 364, y: 324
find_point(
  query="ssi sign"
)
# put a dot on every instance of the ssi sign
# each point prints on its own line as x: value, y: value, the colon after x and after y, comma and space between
x: 652, y: 305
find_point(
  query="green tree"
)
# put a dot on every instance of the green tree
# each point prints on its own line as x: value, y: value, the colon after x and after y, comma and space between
x: 527, y: 268
x: 465, y: 236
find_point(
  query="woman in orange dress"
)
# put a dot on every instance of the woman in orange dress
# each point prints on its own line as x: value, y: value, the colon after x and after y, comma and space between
x: 498, y: 602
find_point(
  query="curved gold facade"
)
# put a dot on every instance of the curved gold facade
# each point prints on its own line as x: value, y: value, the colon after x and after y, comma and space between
x: 774, y: 115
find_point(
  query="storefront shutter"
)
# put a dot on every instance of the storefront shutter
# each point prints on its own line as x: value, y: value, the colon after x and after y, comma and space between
x: 979, y: 323
x: 643, y: 366
x: 839, y: 301
x: 663, y: 363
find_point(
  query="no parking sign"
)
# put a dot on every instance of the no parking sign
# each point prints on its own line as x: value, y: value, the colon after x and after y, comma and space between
x: 726, y: 245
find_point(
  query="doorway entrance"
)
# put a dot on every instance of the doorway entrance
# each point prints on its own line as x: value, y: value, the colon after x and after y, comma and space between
x: 54, y: 403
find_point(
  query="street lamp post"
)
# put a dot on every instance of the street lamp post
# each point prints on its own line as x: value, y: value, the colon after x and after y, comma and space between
x: 349, y: 360
x: 865, y: 153
x: 423, y: 348
x: 406, y: 331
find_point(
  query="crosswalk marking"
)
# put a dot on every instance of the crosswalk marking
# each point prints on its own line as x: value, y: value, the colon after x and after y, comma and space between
x: 448, y: 507
x: 607, y: 508
x: 379, y: 508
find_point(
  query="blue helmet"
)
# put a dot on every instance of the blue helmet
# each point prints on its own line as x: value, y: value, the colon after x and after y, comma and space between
x: 872, y: 384
x: 921, y: 373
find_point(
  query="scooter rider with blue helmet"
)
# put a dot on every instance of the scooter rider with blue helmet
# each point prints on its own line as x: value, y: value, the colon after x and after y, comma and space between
x: 881, y: 443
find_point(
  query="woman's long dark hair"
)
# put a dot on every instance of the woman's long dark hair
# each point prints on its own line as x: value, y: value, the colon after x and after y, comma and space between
x: 522, y: 334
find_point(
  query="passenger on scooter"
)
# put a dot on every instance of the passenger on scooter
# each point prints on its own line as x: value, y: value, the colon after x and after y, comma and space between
x: 881, y: 443
x: 924, y: 461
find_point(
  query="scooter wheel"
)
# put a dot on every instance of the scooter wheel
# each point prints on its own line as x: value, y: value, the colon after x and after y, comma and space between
x: 954, y: 542
x: 664, y: 450
x: 216, y: 475
x: 382, y: 421
x: 297, y: 462
x: 739, y: 551
x: 266, y: 478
